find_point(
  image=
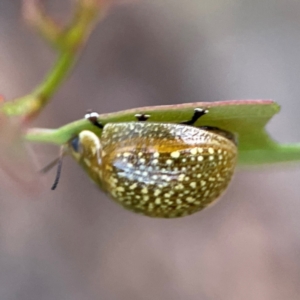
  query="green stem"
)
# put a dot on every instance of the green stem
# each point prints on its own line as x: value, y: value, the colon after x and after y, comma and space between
x: 31, y: 104
x: 279, y: 153
x: 69, y: 42
x: 56, y: 76
x: 58, y: 136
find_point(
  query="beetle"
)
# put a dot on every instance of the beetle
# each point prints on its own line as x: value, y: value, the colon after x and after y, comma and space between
x: 163, y: 170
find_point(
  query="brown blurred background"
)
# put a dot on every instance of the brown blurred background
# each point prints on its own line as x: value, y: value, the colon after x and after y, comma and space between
x: 75, y: 243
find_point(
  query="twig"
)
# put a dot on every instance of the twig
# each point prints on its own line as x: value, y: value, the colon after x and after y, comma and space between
x: 68, y: 41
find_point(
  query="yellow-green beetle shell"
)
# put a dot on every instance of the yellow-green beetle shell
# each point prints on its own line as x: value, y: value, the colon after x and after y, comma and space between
x: 158, y: 169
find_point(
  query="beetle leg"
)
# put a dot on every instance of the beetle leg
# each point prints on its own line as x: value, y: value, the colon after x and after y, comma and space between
x: 142, y: 117
x: 198, y: 112
x: 93, y: 118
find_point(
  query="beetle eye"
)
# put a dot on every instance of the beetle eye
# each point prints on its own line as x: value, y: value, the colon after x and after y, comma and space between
x: 75, y: 144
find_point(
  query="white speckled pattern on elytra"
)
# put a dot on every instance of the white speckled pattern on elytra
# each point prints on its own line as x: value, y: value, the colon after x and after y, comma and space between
x: 159, y: 169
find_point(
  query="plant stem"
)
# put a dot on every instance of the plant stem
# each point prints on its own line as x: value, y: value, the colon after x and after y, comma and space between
x: 68, y: 41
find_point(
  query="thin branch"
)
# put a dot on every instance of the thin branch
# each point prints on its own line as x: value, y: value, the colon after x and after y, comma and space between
x: 68, y: 41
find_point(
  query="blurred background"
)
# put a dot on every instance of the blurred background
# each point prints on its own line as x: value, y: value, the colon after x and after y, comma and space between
x: 75, y: 243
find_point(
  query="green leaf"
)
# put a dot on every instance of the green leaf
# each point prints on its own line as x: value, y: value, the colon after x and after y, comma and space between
x: 246, y: 118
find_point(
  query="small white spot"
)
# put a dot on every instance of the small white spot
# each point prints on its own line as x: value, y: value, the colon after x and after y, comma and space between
x: 133, y: 186
x: 112, y: 184
x: 211, y: 158
x: 193, y: 185
x: 126, y: 154
x: 154, y: 161
x: 164, y: 177
x: 179, y: 186
x: 200, y: 158
x: 206, y: 193
x: 211, y: 179
x: 169, y: 161
x: 211, y: 151
x: 156, y: 154
x: 167, y: 195
x: 175, y: 154
x: 194, y: 151
x: 140, y: 154
x: 144, y: 191
x: 157, y: 192
x: 200, y: 150
x: 145, y: 198
x: 203, y: 183
x: 142, y: 160
x: 120, y: 189
x: 190, y: 199
x: 145, y: 174
x: 157, y: 201
x: 154, y: 177
x: 181, y: 177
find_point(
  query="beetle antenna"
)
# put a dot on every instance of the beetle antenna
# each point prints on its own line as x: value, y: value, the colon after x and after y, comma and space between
x: 58, y: 172
x: 57, y: 162
x: 50, y: 166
